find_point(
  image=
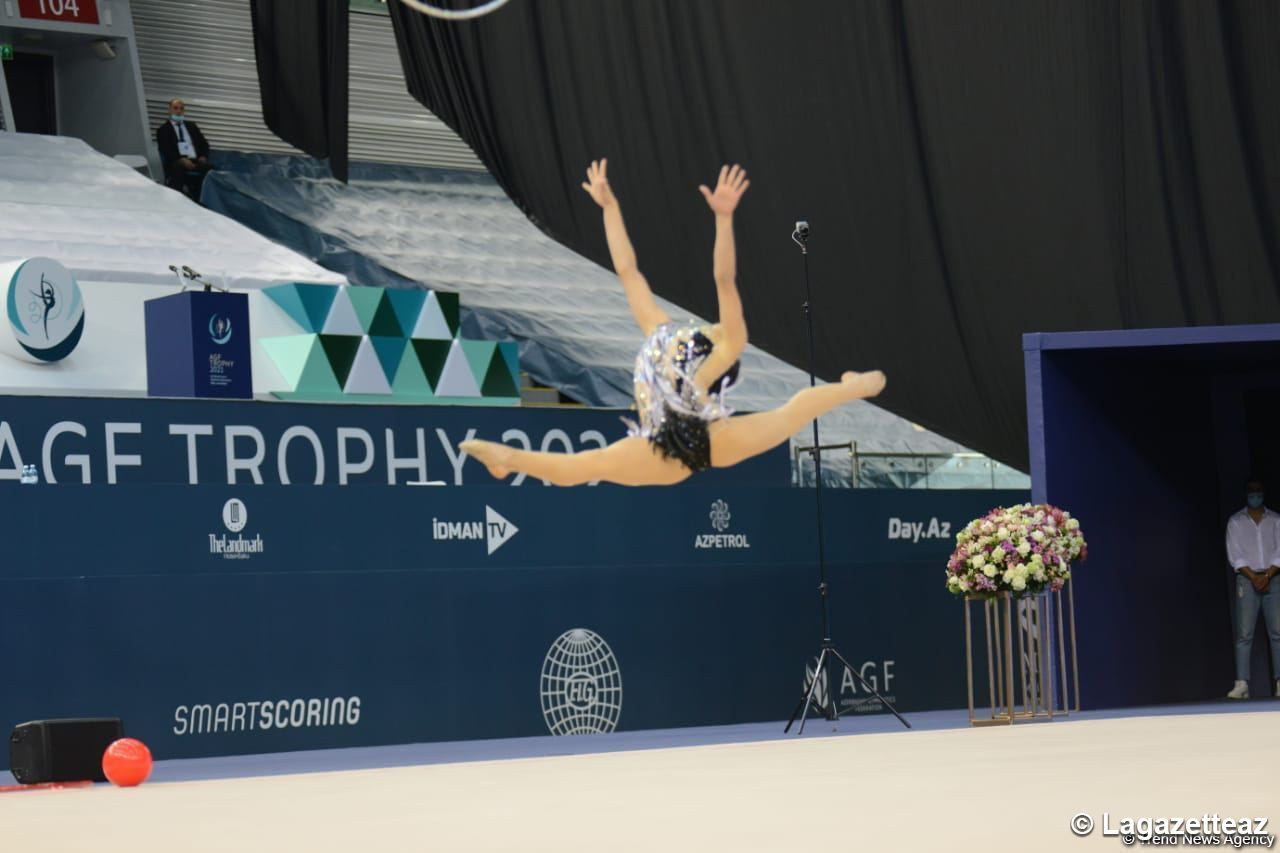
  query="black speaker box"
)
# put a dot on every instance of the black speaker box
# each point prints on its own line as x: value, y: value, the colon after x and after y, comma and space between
x: 61, y: 750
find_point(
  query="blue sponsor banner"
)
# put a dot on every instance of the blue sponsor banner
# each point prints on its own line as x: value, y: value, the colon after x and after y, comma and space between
x: 218, y: 620
x: 285, y: 530
x: 118, y: 441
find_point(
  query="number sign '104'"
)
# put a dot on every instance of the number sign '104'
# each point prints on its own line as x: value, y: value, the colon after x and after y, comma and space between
x: 70, y: 11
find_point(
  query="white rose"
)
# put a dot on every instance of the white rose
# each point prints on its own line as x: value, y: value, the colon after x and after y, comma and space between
x: 1024, y: 548
x: 977, y: 561
x: 989, y: 571
x: 1038, y: 535
x: 1002, y: 533
x: 1019, y: 583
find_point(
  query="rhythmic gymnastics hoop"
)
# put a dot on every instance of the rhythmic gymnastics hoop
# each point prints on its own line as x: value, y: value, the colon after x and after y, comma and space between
x: 455, y: 14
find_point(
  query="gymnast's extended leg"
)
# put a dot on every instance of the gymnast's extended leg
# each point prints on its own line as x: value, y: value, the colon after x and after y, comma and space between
x: 736, y: 439
x: 629, y: 462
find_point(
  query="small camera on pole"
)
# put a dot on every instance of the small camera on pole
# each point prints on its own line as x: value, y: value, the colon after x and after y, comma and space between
x: 801, y: 234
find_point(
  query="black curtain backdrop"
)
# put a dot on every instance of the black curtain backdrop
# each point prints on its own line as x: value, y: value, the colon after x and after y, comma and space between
x: 301, y: 50
x: 971, y: 170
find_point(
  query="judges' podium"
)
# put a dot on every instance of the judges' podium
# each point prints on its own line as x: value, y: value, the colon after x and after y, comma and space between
x: 198, y: 345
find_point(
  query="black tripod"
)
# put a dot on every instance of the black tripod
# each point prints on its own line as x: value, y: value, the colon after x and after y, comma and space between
x: 828, y: 655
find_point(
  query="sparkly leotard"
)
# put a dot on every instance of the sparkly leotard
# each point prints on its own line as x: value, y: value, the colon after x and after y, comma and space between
x: 673, y: 413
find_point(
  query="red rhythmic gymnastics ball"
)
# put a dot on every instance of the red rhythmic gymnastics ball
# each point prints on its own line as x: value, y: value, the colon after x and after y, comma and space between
x: 127, y: 762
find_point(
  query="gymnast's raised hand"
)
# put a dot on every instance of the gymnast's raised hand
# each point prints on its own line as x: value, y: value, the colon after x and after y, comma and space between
x: 597, y: 183
x: 728, y: 192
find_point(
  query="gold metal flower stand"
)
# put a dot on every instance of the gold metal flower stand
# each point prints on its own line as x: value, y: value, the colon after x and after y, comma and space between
x: 1023, y: 635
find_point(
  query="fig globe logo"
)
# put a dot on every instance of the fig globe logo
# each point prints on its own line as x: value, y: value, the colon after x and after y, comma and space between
x: 44, y: 307
x: 581, y: 685
x: 220, y: 329
x: 235, y: 515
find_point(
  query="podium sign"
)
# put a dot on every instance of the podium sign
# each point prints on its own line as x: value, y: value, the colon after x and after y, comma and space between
x: 198, y: 345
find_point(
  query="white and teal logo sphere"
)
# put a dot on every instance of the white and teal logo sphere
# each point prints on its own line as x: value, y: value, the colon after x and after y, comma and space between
x: 44, y: 306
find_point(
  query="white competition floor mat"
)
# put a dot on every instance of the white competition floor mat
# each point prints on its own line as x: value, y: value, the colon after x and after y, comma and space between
x: 947, y: 789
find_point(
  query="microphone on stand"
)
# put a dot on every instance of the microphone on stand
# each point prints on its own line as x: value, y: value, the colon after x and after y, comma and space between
x: 195, y: 277
x: 187, y: 274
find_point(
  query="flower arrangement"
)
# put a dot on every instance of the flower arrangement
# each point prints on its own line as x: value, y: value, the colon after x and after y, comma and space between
x: 1020, y: 549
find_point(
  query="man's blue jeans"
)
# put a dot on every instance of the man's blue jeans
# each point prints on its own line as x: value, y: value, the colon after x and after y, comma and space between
x: 1248, y: 602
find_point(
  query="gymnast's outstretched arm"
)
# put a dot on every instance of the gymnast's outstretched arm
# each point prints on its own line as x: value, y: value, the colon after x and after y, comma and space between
x: 733, y: 325
x: 639, y: 297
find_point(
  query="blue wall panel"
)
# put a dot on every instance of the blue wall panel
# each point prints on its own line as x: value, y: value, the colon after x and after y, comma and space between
x: 113, y: 601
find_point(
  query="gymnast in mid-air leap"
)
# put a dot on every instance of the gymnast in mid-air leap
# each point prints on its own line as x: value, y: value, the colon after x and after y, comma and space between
x: 681, y: 376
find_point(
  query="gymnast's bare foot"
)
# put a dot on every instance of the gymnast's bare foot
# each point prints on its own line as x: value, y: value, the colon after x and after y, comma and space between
x: 490, y: 455
x: 863, y: 385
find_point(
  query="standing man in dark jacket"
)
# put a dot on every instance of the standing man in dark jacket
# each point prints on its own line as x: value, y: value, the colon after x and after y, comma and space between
x: 183, y: 150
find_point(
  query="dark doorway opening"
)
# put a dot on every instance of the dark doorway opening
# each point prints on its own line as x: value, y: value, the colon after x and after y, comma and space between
x: 1262, y: 417
x: 32, y: 93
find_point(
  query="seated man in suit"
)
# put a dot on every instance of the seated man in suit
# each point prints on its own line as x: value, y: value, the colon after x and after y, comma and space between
x: 183, y: 150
